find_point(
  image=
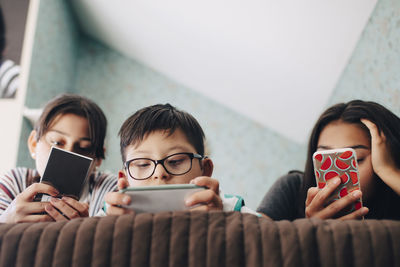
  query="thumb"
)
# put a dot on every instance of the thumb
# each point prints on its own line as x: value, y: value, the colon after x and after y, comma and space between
x: 122, y: 183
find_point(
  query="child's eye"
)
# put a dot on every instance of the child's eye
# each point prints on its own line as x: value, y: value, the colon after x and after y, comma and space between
x: 360, y: 161
x: 141, y: 164
x: 55, y: 143
x: 175, y: 162
x: 145, y: 165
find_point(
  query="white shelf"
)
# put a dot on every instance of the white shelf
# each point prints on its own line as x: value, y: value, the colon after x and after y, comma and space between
x: 11, y: 110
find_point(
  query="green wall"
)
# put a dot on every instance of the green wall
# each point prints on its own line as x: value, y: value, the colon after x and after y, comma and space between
x: 248, y: 157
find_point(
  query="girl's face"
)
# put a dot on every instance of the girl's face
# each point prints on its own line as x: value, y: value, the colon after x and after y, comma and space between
x: 67, y: 131
x: 339, y: 134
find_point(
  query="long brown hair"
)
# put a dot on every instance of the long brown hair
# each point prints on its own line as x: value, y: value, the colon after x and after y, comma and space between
x: 352, y: 112
x: 81, y: 106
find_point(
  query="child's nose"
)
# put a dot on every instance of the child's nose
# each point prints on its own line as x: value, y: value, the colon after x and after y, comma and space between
x: 160, y: 172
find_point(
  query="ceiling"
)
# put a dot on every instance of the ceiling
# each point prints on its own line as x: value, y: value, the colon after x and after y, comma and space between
x: 276, y: 62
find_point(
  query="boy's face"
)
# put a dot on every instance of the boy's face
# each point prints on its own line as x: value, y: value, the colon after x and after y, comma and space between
x: 158, y: 145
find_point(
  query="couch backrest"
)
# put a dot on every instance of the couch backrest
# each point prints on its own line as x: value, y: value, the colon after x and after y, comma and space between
x: 200, y: 239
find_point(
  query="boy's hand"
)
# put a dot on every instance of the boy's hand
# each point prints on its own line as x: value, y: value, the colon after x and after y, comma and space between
x: 115, y: 200
x: 66, y: 209
x: 208, y: 199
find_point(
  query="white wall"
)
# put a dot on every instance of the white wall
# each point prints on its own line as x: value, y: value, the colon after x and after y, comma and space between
x: 263, y: 59
x: 10, y: 119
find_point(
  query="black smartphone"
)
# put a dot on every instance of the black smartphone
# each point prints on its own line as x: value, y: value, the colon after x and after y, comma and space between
x: 67, y: 172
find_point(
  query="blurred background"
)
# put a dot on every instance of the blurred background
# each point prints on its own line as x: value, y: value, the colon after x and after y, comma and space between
x: 256, y: 74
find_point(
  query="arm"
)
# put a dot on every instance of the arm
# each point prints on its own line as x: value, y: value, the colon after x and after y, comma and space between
x: 382, y: 161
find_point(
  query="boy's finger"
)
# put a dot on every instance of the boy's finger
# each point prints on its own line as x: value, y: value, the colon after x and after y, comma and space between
x: 200, y: 208
x: 113, y: 210
x: 122, y: 183
x: 208, y: 182
x: 204, y: 197
x: 116, y: 198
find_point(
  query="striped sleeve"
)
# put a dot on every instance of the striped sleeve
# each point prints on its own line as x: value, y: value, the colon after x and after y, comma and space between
x: 9, y: 78
x: 103, y: 183
x: 12, y: 183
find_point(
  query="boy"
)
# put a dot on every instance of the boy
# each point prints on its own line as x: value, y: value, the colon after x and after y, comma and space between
x: 163, y: 145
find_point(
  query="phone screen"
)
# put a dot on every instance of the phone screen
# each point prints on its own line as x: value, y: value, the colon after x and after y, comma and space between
x: 342, y: 163
x: 160, y: 198
x: 66, y: 171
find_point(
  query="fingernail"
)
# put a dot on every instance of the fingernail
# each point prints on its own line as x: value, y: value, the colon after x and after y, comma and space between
x: 126, y: 200
x: 365, y: 210
x: 356, y: 194
x: 188, y: 203
x: 49, y: 207
x: 54, y: 200
x: 336, y: 180
x: 191, y: 181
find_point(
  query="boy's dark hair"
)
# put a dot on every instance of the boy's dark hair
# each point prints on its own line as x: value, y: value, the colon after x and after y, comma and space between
x: 352, y: 112
x: 160, y: 117
x: 81, y: 106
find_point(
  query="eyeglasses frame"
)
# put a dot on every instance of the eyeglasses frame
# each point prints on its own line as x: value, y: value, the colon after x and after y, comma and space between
x: 161, y: 161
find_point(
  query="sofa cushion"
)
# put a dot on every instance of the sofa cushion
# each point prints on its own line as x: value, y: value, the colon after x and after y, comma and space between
x: 200, y: 239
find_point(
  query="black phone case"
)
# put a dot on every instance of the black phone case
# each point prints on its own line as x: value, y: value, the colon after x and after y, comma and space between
x: 66, y: 171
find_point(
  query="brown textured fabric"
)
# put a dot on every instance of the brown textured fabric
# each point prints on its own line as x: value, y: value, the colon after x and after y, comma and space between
x: 200, y: 239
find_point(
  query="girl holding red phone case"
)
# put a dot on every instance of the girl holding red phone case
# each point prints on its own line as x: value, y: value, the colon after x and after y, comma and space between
x: 374, y: 133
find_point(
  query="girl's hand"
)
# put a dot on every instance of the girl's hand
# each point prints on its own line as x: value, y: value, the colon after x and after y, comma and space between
x: 382, y: 161
x: 66, y: 209
x: 316, y: 198
x: 24, y: 209
x: 208, y: 199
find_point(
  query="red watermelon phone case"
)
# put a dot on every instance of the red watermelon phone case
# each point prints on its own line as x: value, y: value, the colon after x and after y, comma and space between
x: 338, y: 162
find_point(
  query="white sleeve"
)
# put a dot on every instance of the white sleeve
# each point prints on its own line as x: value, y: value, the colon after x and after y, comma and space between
x: 235, y: 203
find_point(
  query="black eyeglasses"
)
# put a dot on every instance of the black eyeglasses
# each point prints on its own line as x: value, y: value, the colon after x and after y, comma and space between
x: 175, y: 164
